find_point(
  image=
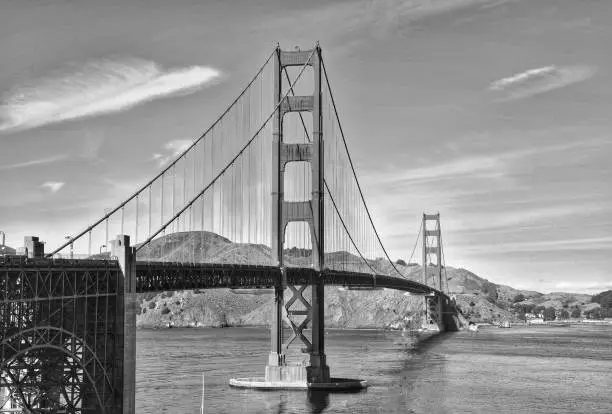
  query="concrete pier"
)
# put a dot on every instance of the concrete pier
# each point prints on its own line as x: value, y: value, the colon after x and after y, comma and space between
x: 126, y: 323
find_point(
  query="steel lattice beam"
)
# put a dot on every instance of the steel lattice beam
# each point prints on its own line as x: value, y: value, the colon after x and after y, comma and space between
x: 57, y: 334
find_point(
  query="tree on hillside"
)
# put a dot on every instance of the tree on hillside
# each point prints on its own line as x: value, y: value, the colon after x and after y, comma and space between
x: 539, y: 309
x: 576, y: 312
x: 518, y: 298
x: 549, y: 314
x: 401, y: 262
x: 593, y: 314
x: 524, y: 308
x: 604, y: 299
x: 490, y: 291
x: 520, y: 314
x: 564, y: 314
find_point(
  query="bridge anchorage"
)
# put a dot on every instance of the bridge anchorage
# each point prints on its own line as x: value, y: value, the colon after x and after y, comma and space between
x: 220, y: 215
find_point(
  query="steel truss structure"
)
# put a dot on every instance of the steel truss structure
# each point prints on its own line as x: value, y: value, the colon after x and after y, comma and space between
x: 60, y: 327
x: 58, y: 335
x: 162, y: 276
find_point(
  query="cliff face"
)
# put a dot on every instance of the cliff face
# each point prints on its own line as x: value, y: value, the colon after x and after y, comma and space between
x: 221, y: 307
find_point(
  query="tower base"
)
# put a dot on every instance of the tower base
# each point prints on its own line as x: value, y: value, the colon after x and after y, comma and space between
x: 286, y: 373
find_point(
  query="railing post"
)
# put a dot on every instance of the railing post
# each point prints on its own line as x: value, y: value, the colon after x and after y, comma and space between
x: 126, y: 323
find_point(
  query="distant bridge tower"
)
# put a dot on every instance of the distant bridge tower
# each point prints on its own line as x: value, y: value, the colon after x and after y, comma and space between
x: 311, y: 212
x: 432, y: 245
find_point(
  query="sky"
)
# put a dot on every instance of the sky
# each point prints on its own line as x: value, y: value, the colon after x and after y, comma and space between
x: 493, y: 113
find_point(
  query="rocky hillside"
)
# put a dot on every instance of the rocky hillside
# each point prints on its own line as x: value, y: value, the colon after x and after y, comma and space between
x: 222, y: 307
x: 478, y: 298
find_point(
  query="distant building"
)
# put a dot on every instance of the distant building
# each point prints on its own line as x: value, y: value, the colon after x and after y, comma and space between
x: 535, y: 321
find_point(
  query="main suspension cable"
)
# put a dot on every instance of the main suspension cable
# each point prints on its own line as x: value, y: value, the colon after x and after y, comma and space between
x: 325, y: 182
x: 416, y: 242
x: 230, y: 163
x: 171, y: 165
x: 353, y: 169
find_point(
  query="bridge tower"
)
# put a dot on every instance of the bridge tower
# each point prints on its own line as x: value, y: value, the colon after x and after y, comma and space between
x: 311, y: 212
x: 432, y: 245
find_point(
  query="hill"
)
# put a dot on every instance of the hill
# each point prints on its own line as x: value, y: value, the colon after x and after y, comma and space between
x: 478, y: 298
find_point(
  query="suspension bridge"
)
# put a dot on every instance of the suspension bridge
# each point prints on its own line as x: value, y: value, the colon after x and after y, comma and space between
x: 266, y: 197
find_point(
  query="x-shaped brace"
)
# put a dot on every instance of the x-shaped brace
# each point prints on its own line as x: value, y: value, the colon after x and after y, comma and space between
x: 297, y: 330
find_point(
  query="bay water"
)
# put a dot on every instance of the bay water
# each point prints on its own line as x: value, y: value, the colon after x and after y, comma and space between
x: 518, y: 370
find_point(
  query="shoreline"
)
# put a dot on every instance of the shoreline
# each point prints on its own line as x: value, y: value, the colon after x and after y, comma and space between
x: 156, y: 328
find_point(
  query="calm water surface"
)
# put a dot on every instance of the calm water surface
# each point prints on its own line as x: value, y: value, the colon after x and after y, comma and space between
x: 518, y: 370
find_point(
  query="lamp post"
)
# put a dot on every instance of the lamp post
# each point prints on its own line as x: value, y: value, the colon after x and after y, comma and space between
x: 106, y: 211
x: 68, y: 238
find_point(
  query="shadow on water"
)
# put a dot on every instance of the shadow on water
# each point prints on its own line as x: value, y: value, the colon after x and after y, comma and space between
x: 426, y: 344
x: 317, y: 401
x: 420, y: 350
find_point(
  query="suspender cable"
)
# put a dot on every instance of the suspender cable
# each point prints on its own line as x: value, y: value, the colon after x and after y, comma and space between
x: 161, y: 220
x: 232, y: 161
x: 307, y: 136
x: 136, y: 230
x: 150, y: 203
x: 171, y: 165
x: 353, y: 169
x: 415, y: 244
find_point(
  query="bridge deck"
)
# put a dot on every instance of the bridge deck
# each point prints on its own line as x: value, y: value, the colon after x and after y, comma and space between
x: 159, y: 276
x: 162, y: 276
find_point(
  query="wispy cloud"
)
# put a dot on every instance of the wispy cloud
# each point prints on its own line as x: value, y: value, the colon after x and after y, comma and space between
x: 566, y: 245
x: 540, y: 80
x: 521, y: 219
x: 583, y: 287
x: 53, y: 186
x: 171, y: 149
x: 96, y: 88
x: 375, y: 18
x: 465, y: 166
x: 486, y: 166
x: 32, y: 163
